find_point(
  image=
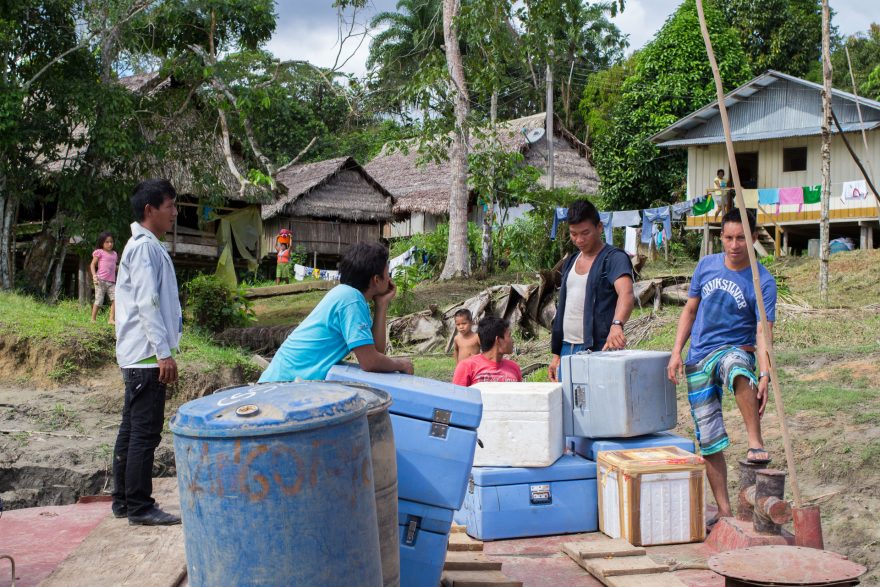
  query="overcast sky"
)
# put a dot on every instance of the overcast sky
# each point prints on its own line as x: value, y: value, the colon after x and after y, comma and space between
x: 308, y: 29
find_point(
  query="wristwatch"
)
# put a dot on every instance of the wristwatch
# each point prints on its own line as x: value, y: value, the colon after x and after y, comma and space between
x: 763, y: 374
x: 617, y: 323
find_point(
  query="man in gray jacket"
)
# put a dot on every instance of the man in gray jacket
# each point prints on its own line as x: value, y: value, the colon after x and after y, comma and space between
x: 148, y: 328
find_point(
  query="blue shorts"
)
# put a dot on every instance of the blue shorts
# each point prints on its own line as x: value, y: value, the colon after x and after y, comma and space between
x: 705, y: 382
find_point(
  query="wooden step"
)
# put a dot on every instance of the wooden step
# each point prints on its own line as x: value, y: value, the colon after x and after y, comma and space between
x: 654, y: 580
x: 601, y: 549
x: 477, y: 579
x: 469, y: 561
x: 460, y: 541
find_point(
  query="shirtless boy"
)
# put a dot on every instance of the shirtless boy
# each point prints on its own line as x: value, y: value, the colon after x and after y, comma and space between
x: 466, y: 343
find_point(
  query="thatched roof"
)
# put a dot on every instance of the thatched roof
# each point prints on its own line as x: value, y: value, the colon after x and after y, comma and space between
x: 336, y: 188
x: 193, y: 162
x: 425, y: 188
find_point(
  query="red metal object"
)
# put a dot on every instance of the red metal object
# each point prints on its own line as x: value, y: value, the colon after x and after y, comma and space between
x: 785, y: 565
x: 730, y: 533
x: 808, y: 527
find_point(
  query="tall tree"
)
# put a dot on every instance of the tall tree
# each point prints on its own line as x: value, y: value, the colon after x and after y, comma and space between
x: 785, y: 35
x: 671, y: 79
x: 824, y: 226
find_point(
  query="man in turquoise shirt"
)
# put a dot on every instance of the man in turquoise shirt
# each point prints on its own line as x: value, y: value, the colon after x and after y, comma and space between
x: 341, y: 323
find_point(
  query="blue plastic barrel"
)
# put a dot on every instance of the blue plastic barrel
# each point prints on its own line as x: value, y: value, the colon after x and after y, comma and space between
x: 276, y: 487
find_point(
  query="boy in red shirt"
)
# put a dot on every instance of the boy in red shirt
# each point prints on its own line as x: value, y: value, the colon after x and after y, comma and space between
x: 490, y: 365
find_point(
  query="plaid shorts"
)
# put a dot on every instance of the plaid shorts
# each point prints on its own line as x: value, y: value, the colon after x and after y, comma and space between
x: 104, y: 289
x: 705, y: 382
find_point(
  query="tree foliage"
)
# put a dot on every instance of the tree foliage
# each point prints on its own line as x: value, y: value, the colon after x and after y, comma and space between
x: 671, y: 78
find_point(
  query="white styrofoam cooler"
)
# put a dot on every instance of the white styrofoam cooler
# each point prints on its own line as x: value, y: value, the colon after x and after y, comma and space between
x: 617, y: 394
x: 521, y: 425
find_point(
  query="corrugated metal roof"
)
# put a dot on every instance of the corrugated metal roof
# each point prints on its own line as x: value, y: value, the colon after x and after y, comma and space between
x: 765, y: 136
x: 773, y: 105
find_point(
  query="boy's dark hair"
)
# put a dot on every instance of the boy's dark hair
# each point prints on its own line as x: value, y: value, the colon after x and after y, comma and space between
x: 153, y: 192
x: 463, y: 313
x: 361, y: 262
x: 719, y: 171
x: 583, y: 210
x: 99, y: 244
x: 489, y: 329
x: 733, y: 216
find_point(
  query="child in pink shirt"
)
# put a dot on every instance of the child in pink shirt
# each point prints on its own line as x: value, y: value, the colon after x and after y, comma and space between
x: 103, y: 270
x: 490, y: 365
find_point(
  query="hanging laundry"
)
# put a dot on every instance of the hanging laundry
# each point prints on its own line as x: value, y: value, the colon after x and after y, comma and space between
x: 405, y: 259
x: 605, y: 219
x: 658, y: 238
x: 681, y: 209
x: 626, y: 218
x: 812, y: 194
x: 768, y: 196
x: 652, y: 216
x: 703, y: 205
x: 791, y: 196
x: 854, y: 191
x: 299, y: 272
x: 560, y: 215
x: 630, y: 241
x: 751, y: 198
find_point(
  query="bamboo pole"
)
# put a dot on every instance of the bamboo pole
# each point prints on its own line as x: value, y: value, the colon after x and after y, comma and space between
x: 753, y: 262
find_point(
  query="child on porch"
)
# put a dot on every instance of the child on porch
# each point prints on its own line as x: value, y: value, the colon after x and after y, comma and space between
x: 103, y: 268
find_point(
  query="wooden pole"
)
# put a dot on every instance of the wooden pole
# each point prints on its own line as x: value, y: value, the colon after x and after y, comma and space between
x: 753, y: 262
x: 824, y: 222
x: 549, y: 126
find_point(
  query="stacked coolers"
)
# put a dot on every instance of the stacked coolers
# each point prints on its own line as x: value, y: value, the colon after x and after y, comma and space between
x: 435, y: 436
x: 524, y: 481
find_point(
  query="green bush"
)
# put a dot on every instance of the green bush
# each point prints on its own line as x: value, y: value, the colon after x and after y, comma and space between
x: 214, y: 307
x: 526, y: 243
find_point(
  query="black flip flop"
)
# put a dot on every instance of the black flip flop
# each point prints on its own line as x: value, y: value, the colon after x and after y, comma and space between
x: 757, y: 461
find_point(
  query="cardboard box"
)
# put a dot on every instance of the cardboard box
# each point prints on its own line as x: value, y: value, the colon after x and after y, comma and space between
x: 651, y: 496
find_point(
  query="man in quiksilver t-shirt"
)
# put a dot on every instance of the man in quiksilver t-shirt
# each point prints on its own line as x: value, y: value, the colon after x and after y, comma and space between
x: 721, y: 319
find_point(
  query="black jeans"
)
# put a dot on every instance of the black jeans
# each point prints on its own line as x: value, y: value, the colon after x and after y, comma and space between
x: 143, y: 415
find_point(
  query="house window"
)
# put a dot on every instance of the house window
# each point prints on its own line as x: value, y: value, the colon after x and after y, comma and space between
x: 794, y: 159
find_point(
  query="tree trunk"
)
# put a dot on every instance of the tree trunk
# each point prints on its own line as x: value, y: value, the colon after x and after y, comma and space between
x: 457, y: 258
x: 7, y: 207
x: 824, y: 225
x: 55, y: 289
x: 487, y: 252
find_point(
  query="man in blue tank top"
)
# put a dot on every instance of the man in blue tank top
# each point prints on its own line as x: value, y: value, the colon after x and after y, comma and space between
x: 341, y: 323
x: 721, y: 320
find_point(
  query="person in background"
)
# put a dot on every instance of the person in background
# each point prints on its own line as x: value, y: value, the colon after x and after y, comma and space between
x: 103, y: 268
x: 719, y: 181
x: 721, y: 320
x: 282, y: 269
x: 490, y: 365
x: 596, y: 295
x: 149, y: 324
x: 341, y: 323
x: 723, y: 197
x: 466, y: 343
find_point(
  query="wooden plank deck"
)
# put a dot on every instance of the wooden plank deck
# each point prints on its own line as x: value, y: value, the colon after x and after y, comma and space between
x: 118, y: 554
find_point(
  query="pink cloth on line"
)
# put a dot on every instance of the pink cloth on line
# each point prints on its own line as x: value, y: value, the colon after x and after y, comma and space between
x: 791, y: 196
x: 106, y: 265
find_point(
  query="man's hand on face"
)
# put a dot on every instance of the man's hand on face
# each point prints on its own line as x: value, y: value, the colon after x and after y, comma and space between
x: 167, y: 371
x: 616, y: 339
x: 385, y: 298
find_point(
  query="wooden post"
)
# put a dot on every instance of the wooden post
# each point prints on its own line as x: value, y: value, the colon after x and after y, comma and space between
x: 777, y: 244
x: 863, y: 236
x: 753, y: 262
x: 707, y: 237
x: 824, y: 222
x: 785, y: 243
x: 84, y: 282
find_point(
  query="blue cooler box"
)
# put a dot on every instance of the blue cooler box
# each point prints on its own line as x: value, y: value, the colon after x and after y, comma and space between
x: 589, y: 447
x: 424, y: 532
x: 515, y: 502
x: 435, y: 433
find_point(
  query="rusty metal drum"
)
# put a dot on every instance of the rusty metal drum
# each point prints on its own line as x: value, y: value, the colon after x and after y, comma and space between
x: 384, y: 460
x: 276, y: 487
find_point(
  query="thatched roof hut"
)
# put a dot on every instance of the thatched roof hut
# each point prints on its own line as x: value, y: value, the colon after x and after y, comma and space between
x: 333, y: 189
x: 425, y: 188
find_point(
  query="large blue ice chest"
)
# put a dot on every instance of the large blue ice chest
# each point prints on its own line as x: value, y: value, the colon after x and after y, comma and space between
x: 515, y: 502
x: 590, y: 447
x: 434, y: 431
x: 424, y: 532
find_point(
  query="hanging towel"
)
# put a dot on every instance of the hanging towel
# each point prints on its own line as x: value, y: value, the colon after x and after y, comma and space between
x: 653, y: 215
x: 791, y: 196
x: 626, y: 218
x: 854, y: 191
x: 768, y: 196
x: 751, y: 198
x: 812, y: 194
x: 559, y: 215
x: 703, y: 205
x: 605, y: 218
x: 681, y: 209
x: 630, y: 241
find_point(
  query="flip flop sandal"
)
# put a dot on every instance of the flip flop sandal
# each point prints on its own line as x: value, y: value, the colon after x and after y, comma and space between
x: 711, y: 522
x: 757, y: 461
